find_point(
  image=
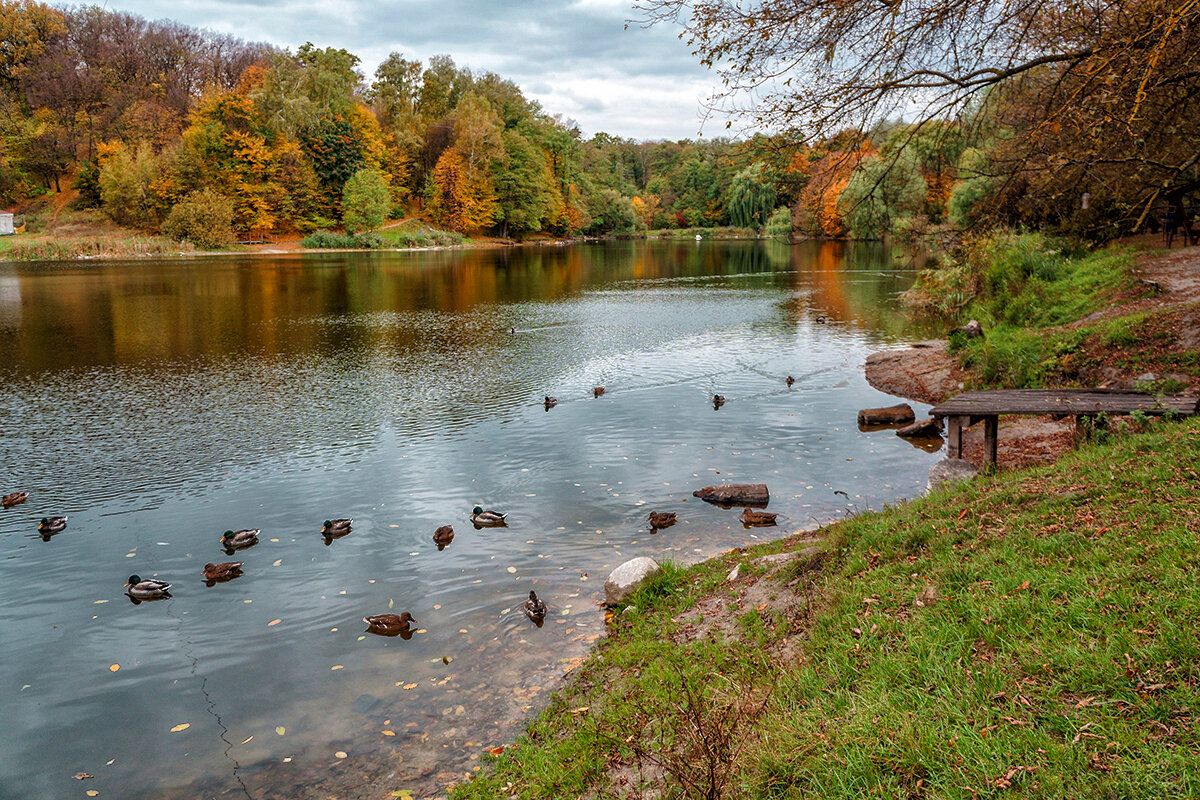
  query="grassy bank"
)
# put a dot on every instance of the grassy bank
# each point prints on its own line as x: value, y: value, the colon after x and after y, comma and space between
x: 1029, y: 634
x: 1030, y: 293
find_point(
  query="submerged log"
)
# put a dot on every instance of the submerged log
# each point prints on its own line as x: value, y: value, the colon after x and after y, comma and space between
x: 742, y: 494
x: 925, y: 429
x: 885, y: 416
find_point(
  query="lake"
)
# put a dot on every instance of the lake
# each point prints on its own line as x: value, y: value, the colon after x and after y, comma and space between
x: 158, y: 403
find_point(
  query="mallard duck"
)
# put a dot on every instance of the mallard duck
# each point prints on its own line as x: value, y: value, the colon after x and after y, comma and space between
x: 718, y: 400
x: 487, y: 519
x: 148, y: 589
x: 790, y: 380
x: 443, y: 536
x: 235, y: 540
x: 751, y: 517
x: 224, y: 571
x: 661, y: 519
x: 10, y: 500
x: 549, y: 402
x: 599, y: 390
x: 388, y: 624
x: 52, y: 524
x: 336, y: 527
x: 535, y: 609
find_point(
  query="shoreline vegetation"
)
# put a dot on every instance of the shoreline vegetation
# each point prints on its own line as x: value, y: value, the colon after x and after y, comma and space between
x: 1025, y: 633
x: 87, y: 236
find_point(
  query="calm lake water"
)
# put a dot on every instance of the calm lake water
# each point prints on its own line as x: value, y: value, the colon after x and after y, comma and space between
x: 159, y: 403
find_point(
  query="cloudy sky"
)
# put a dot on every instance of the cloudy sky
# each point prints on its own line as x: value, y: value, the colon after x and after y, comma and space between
x: 574, y: 56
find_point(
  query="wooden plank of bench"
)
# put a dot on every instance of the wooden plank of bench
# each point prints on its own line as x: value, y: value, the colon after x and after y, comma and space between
x: 1063, y: 402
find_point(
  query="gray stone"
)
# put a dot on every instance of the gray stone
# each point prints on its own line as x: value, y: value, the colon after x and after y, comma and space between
x: 623, y: 581
x: 1148, y: 377
x: 884, y: 416
x: 951, y: 470
x: 972, y: 330
x: 742, y: 494
x: 925, y: 429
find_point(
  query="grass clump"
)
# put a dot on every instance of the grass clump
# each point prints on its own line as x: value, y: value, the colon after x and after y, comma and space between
x: 84, y: 247
x: 329, y: 240
x: 1029, y: 634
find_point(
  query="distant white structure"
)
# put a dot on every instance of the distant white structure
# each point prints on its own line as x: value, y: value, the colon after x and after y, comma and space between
x: 6, y: 223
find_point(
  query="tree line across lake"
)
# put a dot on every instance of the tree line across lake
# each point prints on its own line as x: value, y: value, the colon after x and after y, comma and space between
x: 203, y: 136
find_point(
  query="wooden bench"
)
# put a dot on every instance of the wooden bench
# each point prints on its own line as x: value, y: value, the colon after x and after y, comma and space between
x: 969, y: 408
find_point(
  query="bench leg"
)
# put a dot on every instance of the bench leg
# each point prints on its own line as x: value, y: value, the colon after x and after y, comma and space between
x: 991, y: 430
x: 954, y: 428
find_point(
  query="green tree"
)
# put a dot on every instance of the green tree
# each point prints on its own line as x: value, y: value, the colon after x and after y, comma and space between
x: 204, y: 218
x: 523, y: 186
x: 883, y: 190
x: 751, y: 196
x: 365, y: 201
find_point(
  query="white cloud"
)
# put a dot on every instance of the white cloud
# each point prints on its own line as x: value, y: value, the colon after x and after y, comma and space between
x: 630, y: 82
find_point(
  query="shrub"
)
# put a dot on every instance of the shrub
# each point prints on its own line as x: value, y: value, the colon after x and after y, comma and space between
x: 204, y: 218
x: 779, y: 225
x: 328, y: 240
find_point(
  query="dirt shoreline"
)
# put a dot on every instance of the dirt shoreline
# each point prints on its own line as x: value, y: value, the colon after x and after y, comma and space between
x: 926, y: 372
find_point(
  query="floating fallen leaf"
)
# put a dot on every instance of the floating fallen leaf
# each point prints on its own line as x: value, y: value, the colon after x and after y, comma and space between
x: 114, y: 668
x: 361, y: 638
x: 183, y: 726
x: 341, y: 754
x: 391, y: 603
x: 273, y: 623
x: 389, y: 733
x: 410, y: 686
x: 287, y: 760
x: 337, y: 666
x: 109, y: 763
x: 514, y: 569
x: 277, y: 562
x: 281, y: 730
x: 82, y: 776
x: 99, y: 602
x: 247, y: 739
x: 92, y: 793
x: 447, y: 659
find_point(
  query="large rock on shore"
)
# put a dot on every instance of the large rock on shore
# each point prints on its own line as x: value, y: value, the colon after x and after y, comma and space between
x: 951, y: 470
x: 740, y: 494
x: 924, y: 372
x: 623, y: 581
x: 900, y: 413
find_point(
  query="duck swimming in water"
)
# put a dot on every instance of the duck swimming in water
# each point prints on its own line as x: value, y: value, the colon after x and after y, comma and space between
x: 661, y: 519
x: 535, y: 609
x: 336, y: 527
x: 750, y: 517
x: 718, y: 400
x: 487, y: 519
x: 147, y: 589
x: 236, y: 540
x: 225, y: 571
x: 389, y: 624
x: 549, y: 402
x: 599, y: 390
x: 443, y: 536
x: 50, y: 525
x: 10, y: 500
x: 790, y: 380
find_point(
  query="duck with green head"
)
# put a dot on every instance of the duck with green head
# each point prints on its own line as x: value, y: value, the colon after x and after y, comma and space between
x: 487, y: 519
x: 236, y: 540
x: 336, y: 527
x: 147, y: 588
x: 50, y: 525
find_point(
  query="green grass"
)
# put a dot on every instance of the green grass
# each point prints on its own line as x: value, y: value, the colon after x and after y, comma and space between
x: 1054, y: 654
